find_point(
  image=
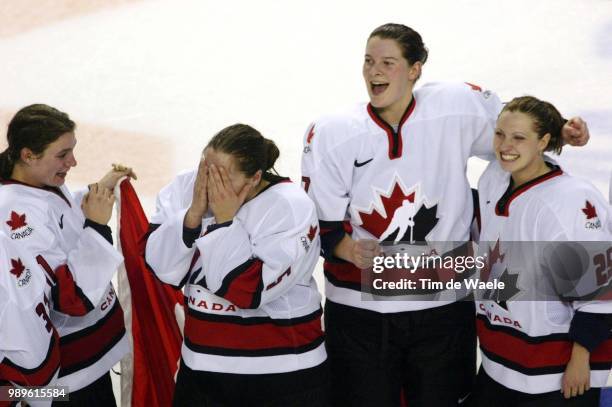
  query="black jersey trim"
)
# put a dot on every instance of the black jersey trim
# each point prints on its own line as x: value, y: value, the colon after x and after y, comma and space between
x: 502, y: 208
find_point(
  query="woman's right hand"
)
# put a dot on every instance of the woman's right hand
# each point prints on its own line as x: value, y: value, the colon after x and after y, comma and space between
x: 97, y: 204
x: 199, y: 203
x: 359, y: 252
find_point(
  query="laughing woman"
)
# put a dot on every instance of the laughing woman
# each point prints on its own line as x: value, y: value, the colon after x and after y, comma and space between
x: 393, y: 170
x: 244, y: 243
x: 556, y: 352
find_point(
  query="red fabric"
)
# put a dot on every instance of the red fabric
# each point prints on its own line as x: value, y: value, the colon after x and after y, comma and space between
x: 346, y: 272
x: 39, y: 376
x: 70, y: 299
x: 245, y: 287
x: 534, y: 355
x: 155, y: 332
x: 227, y: 335
x: 93, y: 344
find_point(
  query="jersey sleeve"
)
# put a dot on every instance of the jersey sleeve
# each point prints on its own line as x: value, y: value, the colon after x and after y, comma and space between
x: 250, y: 271
x: 327, y: 171
x: 483, y: 108
x: 583, y: 227
x: 167, y: 254
x: 29, y: 353
x: 79, y: 276
x: 579, y: 244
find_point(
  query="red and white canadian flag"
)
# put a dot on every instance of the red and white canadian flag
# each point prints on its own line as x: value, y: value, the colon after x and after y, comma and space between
x: 151, y: 309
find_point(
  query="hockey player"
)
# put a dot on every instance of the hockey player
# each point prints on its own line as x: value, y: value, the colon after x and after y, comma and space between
x: 29, y: 344
x: 71, y: 242
x: 360, y: 167
x: 244, y: 243
x: 541, y: 352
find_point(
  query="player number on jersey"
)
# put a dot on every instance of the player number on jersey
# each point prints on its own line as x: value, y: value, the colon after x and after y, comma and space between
x: 603, y: 267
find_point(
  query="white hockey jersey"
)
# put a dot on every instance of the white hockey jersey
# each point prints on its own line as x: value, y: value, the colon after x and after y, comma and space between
x: 252, y: 304
x: 408, y: 185
x: 78, y: 264
x: 29, y: 344
x: 525, y: 343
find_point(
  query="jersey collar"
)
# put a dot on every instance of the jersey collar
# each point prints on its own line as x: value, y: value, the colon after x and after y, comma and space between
x: 502, y: 208
x: 395, y: 139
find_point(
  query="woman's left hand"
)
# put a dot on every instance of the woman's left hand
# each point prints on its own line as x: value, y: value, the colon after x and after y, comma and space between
x: 577, y: 376
x: 575, y: 132
x: 109, y: 181
x: 223, y: 201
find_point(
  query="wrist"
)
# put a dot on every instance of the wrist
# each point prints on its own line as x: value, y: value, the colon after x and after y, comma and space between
x: 193, y: 218
x: 580, y: 353
x: 345, y: 249
x: 223, y: 218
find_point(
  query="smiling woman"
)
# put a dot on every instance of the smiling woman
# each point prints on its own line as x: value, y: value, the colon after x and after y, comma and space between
x: 526, y: 128
x: 39, y: 154
x: 560, y: 348
x: 69, y: 237
x: 375, y: 174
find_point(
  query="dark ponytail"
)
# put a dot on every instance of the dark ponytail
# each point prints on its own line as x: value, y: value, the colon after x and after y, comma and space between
x: 252, y: 151
x: 6, y: 164
x: 33, y: 127
x: 272, y: 154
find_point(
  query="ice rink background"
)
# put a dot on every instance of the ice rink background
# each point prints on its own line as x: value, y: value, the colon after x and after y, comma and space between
x: 149, y: 82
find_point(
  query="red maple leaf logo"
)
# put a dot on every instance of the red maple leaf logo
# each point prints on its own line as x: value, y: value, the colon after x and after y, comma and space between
x: 312, y: 232
x: 589, y: 211
x: 18, y: 267
x: 493, y: 257
x: 374, y: 222
x: 311, y: 134
x: 17, y: 221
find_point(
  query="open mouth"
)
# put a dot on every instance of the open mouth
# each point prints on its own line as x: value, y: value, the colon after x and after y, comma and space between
x: 509, y: 157
x: 378, y: 87
x: 61, y: 174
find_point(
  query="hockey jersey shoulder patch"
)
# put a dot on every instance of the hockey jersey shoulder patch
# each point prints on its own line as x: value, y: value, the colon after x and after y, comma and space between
x: 592, y: 220
x: 19, y: 228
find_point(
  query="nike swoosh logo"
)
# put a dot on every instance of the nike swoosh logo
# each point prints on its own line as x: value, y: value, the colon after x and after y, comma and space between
x: 362, y: 163
x: 61, y: 222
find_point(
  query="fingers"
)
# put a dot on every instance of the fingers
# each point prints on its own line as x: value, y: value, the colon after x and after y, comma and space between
x: 214, y: 181
x: 216, y: 177
x: 365, y: 251
x: 567, y: 391
x: 203, y: 169
x: 368, y: 248
x: 223, y: 176
x: 574, y: 391
x: 576, y: 123
x: 570, y: 390
x: 124, y: 170
x: 576, y: 131
x: 85, y: 200
x: 244, y: 192
x: 109, y: 195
